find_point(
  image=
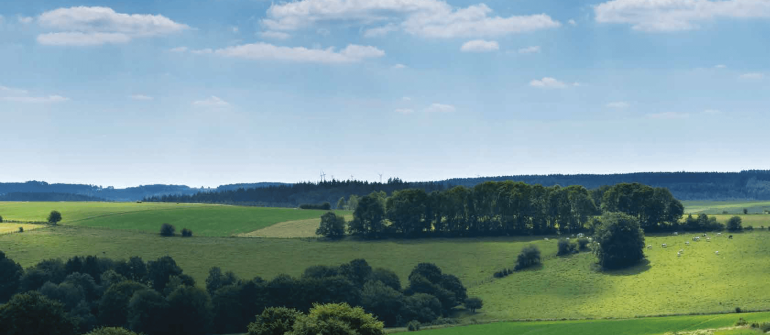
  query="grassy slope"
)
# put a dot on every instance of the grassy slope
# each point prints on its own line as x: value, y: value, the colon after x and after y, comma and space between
x: 290, y: 229
x: 564, y: 287
x: 732, y: 207
x: 6, y: 228
x: 203, y: 220
x: 646, y: 326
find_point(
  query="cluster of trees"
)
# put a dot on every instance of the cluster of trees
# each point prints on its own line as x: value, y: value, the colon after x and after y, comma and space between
x: 324, y: 206
x: 47, y: 196
x: 507, y: 208
x: 338, y: 318
x: 156, y: 297
x: 168, y: 230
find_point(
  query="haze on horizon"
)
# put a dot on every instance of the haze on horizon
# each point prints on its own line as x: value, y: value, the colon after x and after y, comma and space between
x: 211, y: 92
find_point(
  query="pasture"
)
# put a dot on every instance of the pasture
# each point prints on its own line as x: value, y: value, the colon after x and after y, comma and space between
x: 732, y: 207
x: 645, y: 326
x: 291, y: 229
x: 203, y: 220
x: 7, y: 228
x: 564, y: 287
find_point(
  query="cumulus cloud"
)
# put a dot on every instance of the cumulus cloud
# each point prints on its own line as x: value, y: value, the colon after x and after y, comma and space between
x: 427, y: 18
x: 85, y: 26
x: 141, y: 97
x: 480, y: 46
x: 752, y: 76
x: 668, y: 115
x: 572, y: 22
x: 264, y: 51
x: 404, y: 110
x: 406, y: 98
x: 677, y: 15
x: 212, y: 101
x: 712, y: 111
x: 530, y: 50
x: 11, y: 94
x: 720, y: 66
x: 178, y: 49
x: 439, y: 108
x: 617, y: 105
x: 276, y: 35
x: 25, y: 19
x: 548, y: 82
x: 398, y: 67
x: 5, y: 90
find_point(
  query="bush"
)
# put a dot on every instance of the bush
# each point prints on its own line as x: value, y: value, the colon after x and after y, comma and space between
x: 738, y: 310
x: 565, y: 247
x: 621, y: 241
x: 734, y: 224
x: 474, y: 303
x: 582, y: 243
x: 337, y: 319
x: 324, y: 206
x: 413, y: 326
x: 21, y: 229
x: 1, y: 219
x: 529, y: 256
x: 167, y: 230
x: 186, y: 232
x: 32, y: 314
x: 749, y: 228
x: 111, y: 331
x: 764, y: 327
x: 274, y: 321
x: 741, y: 322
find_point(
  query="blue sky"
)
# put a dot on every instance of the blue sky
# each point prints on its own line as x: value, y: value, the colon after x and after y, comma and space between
x: 210, y: 92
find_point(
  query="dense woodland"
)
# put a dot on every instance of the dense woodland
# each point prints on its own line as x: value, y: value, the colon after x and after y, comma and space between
x: 47, y: 196
x: 508, y: 208
x: 157, y: 298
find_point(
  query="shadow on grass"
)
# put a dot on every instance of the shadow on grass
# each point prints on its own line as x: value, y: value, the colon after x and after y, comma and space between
x: 643, y: 266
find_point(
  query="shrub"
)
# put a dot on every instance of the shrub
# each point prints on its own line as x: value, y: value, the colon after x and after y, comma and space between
x: 337, y: 319
x: 111, y: 331
x: 565, y: 247
x: 167, y: 230
x: 529, y: 256
x: 582, y: 243
x: 332, y: 225
x: 324, y: 206
x: 738, y: 310
x: 54, y: 217
x: 474, y: 303
x: 749, y: 228
x: 740, y: 322
x: 734, y: 224
x: 21, y: 229
x: 186, y: 232
x: 764, y: 326
x: 274, y: 321
x: 413, y: 326
x: 1, y: 219
x: 621, y: 241
x: 32, y: 313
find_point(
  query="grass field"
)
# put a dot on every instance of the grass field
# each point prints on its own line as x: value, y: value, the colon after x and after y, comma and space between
x: 290, y: 229
x: 6, y: 228
x: 203, y: 220
x: 646, y: 326
x: 569, y: 287
x: 732, y: 207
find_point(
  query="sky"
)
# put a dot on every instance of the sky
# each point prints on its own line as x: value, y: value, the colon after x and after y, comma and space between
x: 211, y: 92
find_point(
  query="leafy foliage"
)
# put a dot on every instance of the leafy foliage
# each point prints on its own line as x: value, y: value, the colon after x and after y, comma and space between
x: 33, y: 314
x: 621, y: 241
x: 474, y: 303
x: 10, y: 277
x: 274, y: 321
x: 529, y: 256
x: 735, y: 224
x: 167, y: 230
x: 338, y: 319
x: 54, y: 217
x: 332, y: 225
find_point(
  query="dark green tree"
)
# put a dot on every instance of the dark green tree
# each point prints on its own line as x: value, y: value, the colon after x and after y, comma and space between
x: 406, y: 210
x: 332, y: 225
x: 341, y: 203
x: 54, y: 217
x: 148, y: 312
x: 382, y: 301
x: 621, y: 241
x: 735, y: 223
x: 387, y: 277
x: 111, y: 331
x: 167, y: 230
x: 421, y: 307
x: 529, y: 256
x: 10, y: 277
x: 159, y: 272
x: 226, y: 307
x: 473, y: 303
x: 217, y: 279
x: 32, y: 313
x: 113, y: 306
x: 190, y: 311
x: 369, y: 216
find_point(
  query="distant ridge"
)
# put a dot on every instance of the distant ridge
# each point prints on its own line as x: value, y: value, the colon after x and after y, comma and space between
x: 747, y: 184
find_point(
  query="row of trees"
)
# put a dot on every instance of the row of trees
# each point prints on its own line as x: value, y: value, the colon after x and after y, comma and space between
x: 156, y: 297
x: 498, y: 208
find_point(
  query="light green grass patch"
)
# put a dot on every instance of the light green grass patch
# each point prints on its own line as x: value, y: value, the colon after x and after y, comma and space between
x: 732, y: 207
x: 7, y: 228
x: 290, y: 229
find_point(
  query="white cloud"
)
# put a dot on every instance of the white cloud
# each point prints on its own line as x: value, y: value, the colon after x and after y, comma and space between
x: 677, y: 15
x: 668, y: 115
x: 547, y: 82
x: 323, y: 31
x: 351, y: 53
x: 212, y: 101
x: 427, y: 18
x: 178, y: 49
x: 234, y: 29
x: 28, y: 99
x: 530, y: 50
x: 398, y: 67
x: 617, y: 105
x: 480, y: 46
x: 5, y: 90
x: 203, y: 51
x: 141, y: 97
x: 406, y: 99
x: 752, y: 76
x: 380, y: 31
x: 720, y: 66
x: 276, y: 35
x: 712, y: 111
x: 404, y: 110
x: 572, y: 22
x: 25, y: 19
x: 439, y: 108
x: 84, y: 26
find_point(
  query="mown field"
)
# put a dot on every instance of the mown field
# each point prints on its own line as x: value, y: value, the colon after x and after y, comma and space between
x: 564, y: 287
x: 203, y: 220
x: 7, y: 228
x: 732, y: 207
x: 646, y: 326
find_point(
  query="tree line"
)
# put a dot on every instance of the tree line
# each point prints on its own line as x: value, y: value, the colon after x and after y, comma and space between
x: 505, y: 208
x: 157, y: 297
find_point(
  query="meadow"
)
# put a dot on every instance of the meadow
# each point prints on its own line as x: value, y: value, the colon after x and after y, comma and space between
x: 564, y: 287
x: 732, y: 207
x: 645, y: 326
x: 203, y: 220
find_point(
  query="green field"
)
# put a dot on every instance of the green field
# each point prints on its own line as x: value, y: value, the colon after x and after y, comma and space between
x: 732, y: 207
x: 203, y: 220
x: 566, y: 287
x: 646, y: 326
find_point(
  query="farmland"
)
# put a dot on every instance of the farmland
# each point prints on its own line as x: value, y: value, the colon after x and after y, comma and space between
x: 731, y: 207
x: 203, y: 220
